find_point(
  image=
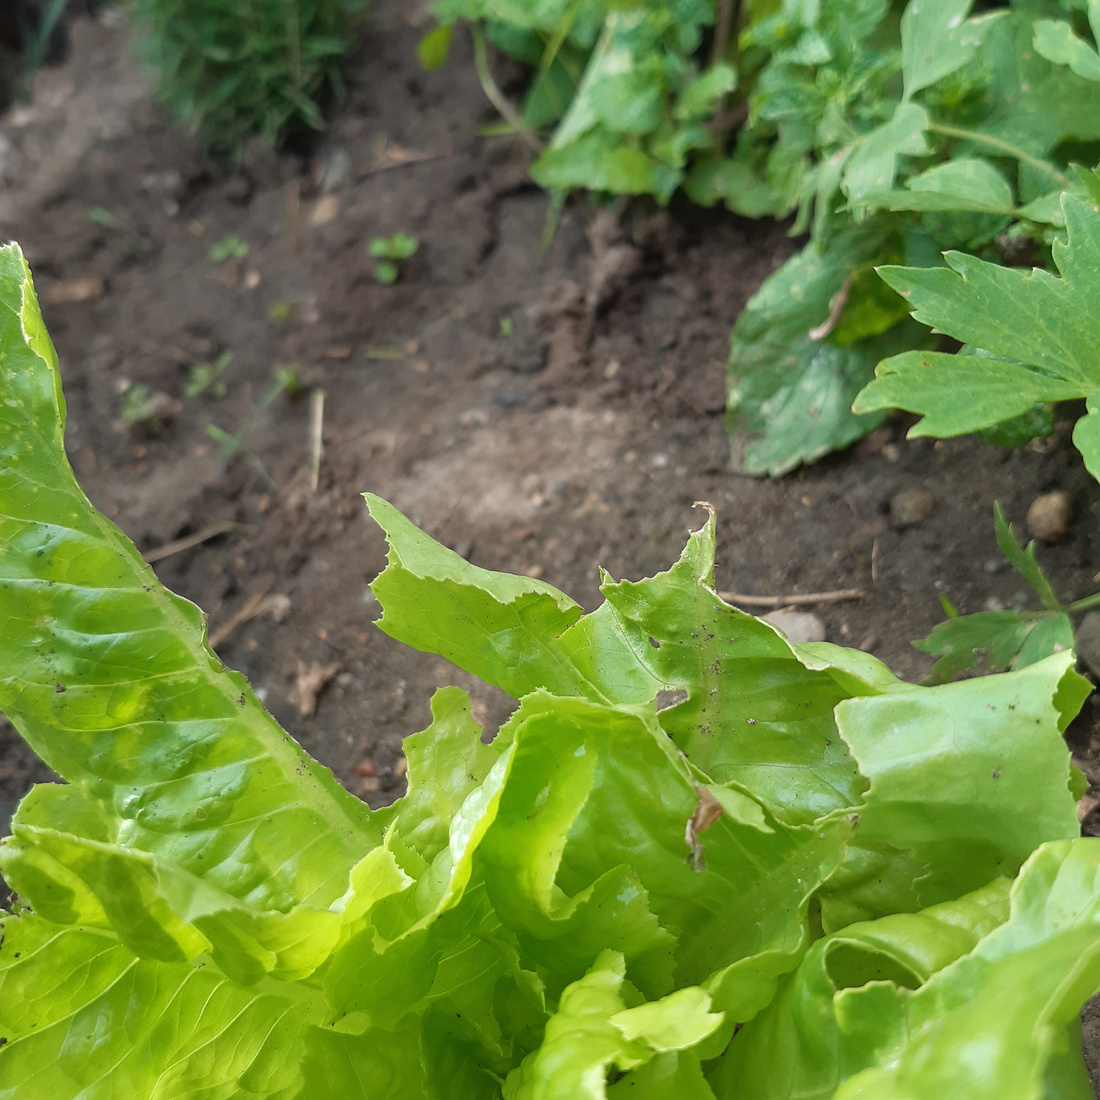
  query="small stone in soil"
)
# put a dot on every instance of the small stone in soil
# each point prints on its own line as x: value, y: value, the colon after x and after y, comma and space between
x: 799, y: 626
x: 1049, y: 515
x: 1088, y: 642
x: 911, y: 508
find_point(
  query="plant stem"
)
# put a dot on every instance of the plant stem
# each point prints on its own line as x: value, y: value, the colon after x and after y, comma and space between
x: 723, y: 30
x: 1003, y: 146
x: 37, y: 51
x: 495, y: 96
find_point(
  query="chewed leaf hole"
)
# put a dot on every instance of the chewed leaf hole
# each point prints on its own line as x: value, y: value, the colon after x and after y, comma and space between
x: 666, y: 699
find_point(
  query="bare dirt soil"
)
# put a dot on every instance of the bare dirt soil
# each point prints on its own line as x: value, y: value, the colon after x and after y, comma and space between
x: 540, y: 412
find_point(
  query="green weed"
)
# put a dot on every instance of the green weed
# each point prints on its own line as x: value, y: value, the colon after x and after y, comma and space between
x: 389, y: 252
x: 229, y: 69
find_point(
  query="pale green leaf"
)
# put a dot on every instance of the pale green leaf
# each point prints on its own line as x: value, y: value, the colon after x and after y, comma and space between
x: 874, y: 164
x: 593, y: 1030
x: 958, y: 394
x: 676, y: 1074
x: 934, y: 41
x: 965, y: 183
x: 446, y: 763
x: 799, y: 1047
x: 525, y: 636
x: 82, y: 1016
x: 1055, y: 40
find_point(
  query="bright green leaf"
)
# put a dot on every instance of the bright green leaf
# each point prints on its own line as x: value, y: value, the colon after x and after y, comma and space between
x: 980, y: 780
x: 109, y: 677
x: 926, y: 1043
x: 435, y: 47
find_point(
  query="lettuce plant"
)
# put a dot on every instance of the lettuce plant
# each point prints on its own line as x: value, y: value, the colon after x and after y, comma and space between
x: 805, y: 877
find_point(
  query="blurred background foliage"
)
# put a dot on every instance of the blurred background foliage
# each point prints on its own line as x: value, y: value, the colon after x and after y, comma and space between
x: 231, y: 70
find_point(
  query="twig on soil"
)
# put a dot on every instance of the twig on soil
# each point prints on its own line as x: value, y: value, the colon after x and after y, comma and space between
x: 793, y: 601
x: 259, y: 603
x: 496, y: 97
x: 316, y: 436
x: 419, y: 158
x: 225, y: 527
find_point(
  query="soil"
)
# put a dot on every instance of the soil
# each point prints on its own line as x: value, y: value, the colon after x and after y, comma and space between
x: 543, y: 411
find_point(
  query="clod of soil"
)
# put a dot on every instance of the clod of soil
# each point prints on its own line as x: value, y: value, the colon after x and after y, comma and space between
x: 912, y: 508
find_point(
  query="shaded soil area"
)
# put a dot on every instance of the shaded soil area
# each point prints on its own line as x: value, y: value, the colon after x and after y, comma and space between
x: 543, y: 411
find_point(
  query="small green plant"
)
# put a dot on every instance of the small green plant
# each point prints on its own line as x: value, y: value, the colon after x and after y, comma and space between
x: 996, y: 641
x: 805, y: 878
x: 278, y: 312
x: 228, y: 247
x: 286, y: 384
x: 140, y: 405
x: 389, y: 253
x: 97, y: 215
x: 229, y: 70
x: 207, y: 377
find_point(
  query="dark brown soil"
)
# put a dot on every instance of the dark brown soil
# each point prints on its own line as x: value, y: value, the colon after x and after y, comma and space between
x: 541, y: 413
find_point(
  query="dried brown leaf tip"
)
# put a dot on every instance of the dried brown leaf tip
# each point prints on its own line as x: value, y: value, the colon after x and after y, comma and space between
x: 706, y: 814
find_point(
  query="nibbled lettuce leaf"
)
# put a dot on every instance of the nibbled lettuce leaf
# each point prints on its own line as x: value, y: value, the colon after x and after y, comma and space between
x: 934, y: 1003
x: 591, y: 905
x: 754, y: 712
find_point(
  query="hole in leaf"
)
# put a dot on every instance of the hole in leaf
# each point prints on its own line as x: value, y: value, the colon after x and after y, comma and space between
x: 666, y: 699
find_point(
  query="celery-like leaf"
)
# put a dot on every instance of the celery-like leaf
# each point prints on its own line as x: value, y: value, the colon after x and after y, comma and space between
x: 1038, y: 333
